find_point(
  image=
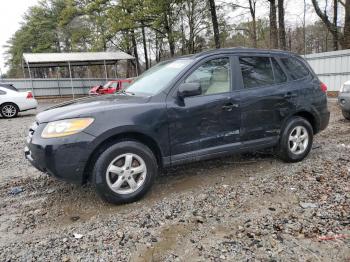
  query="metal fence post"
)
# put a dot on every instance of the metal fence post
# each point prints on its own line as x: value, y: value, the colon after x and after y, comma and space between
x: 31, y: 80
x: 71, y: 80
x: 106, y: 74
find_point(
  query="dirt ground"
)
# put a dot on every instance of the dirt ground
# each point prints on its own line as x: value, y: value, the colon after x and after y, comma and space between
x: 250, y: 207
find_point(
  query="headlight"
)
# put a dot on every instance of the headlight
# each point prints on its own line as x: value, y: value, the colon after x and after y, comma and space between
x: 345, y: 88
x: 66, y: 127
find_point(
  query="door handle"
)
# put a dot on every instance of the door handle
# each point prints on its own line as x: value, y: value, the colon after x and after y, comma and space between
x: 290, y: 95
x: 229, y: 107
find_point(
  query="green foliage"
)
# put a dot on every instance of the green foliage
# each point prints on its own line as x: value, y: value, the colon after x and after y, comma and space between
x: 161, y: 28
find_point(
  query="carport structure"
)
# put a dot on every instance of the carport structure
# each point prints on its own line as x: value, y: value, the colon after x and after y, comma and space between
x: 47, y: 60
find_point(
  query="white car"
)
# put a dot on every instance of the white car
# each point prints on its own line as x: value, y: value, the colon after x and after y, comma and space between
x: 12, y: 101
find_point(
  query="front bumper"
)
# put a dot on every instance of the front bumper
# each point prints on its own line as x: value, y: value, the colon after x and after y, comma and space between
x: 64, y: 158
x: 344, y: 101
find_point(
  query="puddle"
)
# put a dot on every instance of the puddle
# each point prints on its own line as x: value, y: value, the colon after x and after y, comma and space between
x: 170, y: 239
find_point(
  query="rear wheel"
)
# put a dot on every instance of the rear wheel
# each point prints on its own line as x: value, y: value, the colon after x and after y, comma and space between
x: 124, y: 172
x: 346, y: 114
x: 9, y: 110
x: 296, y: 140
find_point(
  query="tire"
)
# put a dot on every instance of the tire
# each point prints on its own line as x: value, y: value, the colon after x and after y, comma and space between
x: 134, y: 168
x: 9, y: 110
x: 346, y: 114
x: 293, y: 147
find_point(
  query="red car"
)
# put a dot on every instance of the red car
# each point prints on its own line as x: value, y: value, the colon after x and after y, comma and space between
x: 110, y: 87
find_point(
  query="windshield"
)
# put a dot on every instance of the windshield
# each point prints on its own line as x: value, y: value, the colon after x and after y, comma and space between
x: 158, y: 77
x: 107, y: 84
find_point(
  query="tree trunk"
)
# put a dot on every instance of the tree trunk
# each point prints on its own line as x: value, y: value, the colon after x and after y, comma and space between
x: 342, y: 38
x: 183, y: 37
x: 136, y: 55
x: 169, y: 32
x: 290, y: 39
x: 335, y: 23
x: 282, y: 29
x: 252, y: 5
x: 273, y: 25
x: 346, y: 37
x: 144, y: 45
x: 128, y: 51
x: 214, y: 20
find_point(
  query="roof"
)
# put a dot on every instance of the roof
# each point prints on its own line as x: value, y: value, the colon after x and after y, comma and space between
x: 242, y: 50
x: 324, y: 55
x: 75, y: 58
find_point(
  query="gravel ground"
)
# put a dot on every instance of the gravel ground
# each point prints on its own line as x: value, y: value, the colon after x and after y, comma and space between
x: 250, y: 207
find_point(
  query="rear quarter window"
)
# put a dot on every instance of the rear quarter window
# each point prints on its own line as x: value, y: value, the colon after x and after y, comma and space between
x: 296, y: 69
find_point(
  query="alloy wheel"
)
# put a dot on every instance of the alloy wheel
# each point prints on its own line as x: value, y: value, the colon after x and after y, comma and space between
x: 298, y: 140
x: 126, y: 173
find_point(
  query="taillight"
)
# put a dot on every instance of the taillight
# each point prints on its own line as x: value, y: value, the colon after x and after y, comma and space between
x: 323, y: 87
x: 29, y: 95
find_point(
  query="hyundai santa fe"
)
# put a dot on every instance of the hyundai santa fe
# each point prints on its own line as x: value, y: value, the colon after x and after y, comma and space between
x: 188, y: 109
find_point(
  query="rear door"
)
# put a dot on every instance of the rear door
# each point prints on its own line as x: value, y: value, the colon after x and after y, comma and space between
x: 265, y: 98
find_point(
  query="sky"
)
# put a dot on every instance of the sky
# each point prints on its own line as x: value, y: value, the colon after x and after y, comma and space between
x: 12, y: 12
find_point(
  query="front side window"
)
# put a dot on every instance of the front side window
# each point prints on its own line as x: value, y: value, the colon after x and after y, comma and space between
x: 256, y: 71
x: 108, y: 84
x: 213, y: 76
x: 114, y: 85
x: 295, y: 68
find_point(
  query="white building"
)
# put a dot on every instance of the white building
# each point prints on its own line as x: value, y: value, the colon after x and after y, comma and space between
x: 333, y: 68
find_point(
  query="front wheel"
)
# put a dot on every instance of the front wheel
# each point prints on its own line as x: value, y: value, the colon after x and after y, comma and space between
x: 124, y: 172
x: 296, y: 140
x: 346, y: 114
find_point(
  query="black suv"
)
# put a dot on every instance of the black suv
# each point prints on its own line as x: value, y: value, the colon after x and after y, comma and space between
x: 188, y: 109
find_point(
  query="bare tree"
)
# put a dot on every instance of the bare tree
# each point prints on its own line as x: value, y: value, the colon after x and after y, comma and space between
x: 335, y: 23
x: 281, y: 26
x: 144, y: 45
x: 252, y: 8
x: 342, y: 38
x: 215, y: 23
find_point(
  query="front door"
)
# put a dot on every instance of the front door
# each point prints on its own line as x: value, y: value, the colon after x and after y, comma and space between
x: 206, y: 121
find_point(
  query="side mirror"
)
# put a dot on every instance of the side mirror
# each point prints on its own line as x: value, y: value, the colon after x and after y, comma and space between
x: 189, y: 89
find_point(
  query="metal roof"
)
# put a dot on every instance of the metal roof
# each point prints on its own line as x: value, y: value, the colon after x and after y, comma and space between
x: 75, y: 58
x: 330, y: 54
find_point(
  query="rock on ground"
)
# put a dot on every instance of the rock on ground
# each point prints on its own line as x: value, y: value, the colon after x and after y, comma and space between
x: 245, y: 207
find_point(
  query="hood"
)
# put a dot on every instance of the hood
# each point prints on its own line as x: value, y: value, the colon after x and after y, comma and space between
x: 86, y: 107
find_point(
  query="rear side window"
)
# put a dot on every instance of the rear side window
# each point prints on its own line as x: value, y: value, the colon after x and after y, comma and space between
x: 256, y: 71
x: 280, y: 76
x: 9, y: 87
x: 295, y: 68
